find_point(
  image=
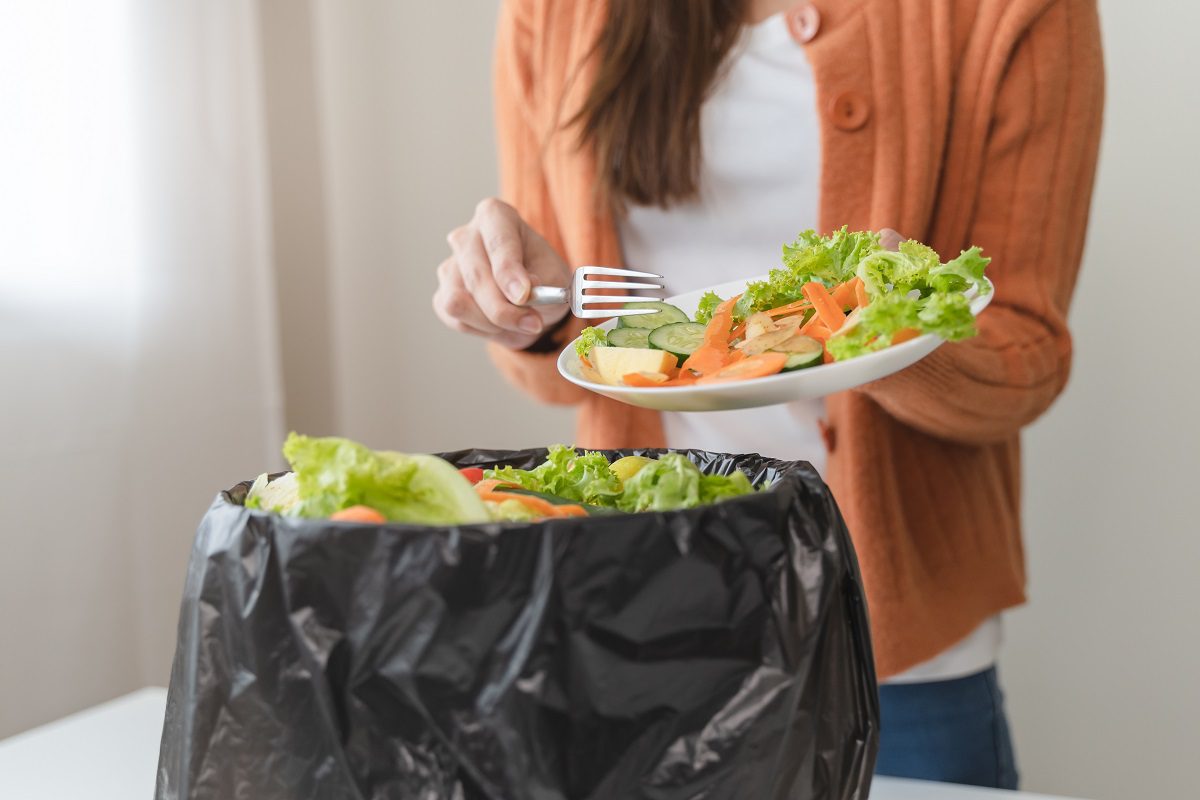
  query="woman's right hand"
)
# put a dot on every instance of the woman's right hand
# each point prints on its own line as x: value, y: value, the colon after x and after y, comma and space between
x: 496, y: 259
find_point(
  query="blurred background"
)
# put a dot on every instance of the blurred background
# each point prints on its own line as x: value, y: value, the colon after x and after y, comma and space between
x: 220, y: 219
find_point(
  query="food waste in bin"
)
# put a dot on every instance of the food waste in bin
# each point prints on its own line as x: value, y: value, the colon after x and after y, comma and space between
x: 522, y: 625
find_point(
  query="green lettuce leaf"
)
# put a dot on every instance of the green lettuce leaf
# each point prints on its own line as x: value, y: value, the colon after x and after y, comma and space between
x: 334, y: 473
x: 961, y: 273
x: 876, y: 325
x: 589, y: 338
x: 708, y: 304
x: 672, y: 481
x: 582, y: 478
x: 828, y: 260
x: 947, y: 315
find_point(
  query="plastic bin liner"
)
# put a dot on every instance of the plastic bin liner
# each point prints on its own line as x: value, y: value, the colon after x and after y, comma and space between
x: 715, y: 652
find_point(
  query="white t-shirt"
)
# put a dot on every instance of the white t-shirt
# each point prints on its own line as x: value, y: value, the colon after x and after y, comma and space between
x: 759, y: 186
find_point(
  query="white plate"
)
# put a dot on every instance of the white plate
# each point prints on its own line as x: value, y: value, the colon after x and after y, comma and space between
x: 772, y: 390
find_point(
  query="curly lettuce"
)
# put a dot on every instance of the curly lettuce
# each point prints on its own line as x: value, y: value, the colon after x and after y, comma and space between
x: 672, y: 481
x: 334, y: 473
x: 828, y: 260
x: 579, y: 477
x: 589, y: 338
x: 708, y: 304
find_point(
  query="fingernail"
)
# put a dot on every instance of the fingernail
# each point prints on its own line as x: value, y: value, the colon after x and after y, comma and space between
x: 516, y: 292
x: 531, y: 325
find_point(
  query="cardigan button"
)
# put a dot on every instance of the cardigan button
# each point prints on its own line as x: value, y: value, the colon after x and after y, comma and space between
x: 849, y: 111
x: 803, y: 22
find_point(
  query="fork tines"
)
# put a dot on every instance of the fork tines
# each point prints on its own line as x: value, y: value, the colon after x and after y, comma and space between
x: 583, y: 302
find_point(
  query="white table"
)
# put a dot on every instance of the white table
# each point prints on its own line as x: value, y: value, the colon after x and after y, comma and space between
x: 110, y: 752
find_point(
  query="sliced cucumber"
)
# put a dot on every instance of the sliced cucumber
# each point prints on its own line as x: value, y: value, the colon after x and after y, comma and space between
x: 802, y: 351
x: 629, y: 337
x: 680, y: 339
x: 665, y: 315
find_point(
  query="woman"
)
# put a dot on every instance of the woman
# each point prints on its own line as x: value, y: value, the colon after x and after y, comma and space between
x: 692, y: 139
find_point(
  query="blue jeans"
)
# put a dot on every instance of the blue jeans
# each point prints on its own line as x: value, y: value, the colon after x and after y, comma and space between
x: 954, y: 731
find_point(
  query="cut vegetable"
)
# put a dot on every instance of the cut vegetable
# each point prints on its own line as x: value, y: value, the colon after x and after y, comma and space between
x: 613, y: 363
x: 629, y: 337
x: 645, y: 379
x: 801, y: 352
x: 680, y: 339
x: 665, y: 314
x: 363, y: 514
x: 828, y: 310
x: 758, y: 366
x: 713, y: 353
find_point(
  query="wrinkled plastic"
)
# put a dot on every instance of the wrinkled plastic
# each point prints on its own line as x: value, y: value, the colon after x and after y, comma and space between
x: 719, y: 652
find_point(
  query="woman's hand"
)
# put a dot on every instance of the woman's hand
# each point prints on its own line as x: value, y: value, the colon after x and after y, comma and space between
x: 496, y: 259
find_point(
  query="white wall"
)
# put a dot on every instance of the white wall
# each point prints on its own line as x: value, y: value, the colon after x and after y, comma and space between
x: 405, y: 92
x: 1103, y: 666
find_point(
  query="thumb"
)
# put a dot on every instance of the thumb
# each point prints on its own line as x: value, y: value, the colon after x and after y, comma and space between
x: 890, y: 239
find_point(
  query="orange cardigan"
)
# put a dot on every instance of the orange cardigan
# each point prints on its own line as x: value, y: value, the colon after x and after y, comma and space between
x: 957, y: 123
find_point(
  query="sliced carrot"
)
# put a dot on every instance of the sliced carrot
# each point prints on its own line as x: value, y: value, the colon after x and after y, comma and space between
x: 713, y: 352
x: 359, y: 514
x: 904, y: 334
x: 645, y: 379
x: 490, y: 485
x: 860, y: 293
x: 586, y: 362
x: 828, y: 310
x: 737, y: 332
x: 543, y: 507
x: 758, y: 366
x: 790, y: 308
x: 846, y: 294
x: 827, y: 357
x: 571, y: 511
x: 816, y: 330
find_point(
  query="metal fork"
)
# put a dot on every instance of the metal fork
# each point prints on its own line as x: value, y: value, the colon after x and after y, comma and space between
x: 581, y: 304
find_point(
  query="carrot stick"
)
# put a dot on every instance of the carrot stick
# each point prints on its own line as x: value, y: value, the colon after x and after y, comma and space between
x: 904, y: 334
x: 737, y: 332
x: 364, y: 514
x: 843, y: 294
x: 539, y: 505
x: 490, y: 485
x: 712, y: 354
x: 643, y: 380
x: 829, y: 312
x: 758, y: 366
x: 784, y: 310
x: 860, y: 293
x: 816, y: 330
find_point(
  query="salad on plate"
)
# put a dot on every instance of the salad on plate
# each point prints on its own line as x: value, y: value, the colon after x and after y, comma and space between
x: 835, y: 298
x: 339, y: 479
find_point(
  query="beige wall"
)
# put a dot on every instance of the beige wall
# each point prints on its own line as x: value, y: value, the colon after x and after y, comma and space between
x: 405, y: 92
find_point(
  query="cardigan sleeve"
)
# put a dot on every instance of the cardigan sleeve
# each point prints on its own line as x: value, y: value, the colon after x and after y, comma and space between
x: 1030, y: 214
x: 523, y: 185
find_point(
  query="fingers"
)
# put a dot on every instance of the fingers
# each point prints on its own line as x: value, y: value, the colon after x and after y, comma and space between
x: 890, y: 239
x: 455, y: 307
x: 502, y: 234
x: 476, y: 272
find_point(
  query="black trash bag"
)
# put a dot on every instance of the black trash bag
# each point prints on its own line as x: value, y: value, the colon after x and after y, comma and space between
x: 718, y: 652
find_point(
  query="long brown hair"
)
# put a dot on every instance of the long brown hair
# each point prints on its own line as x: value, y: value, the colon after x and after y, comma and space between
x: 657, y: 61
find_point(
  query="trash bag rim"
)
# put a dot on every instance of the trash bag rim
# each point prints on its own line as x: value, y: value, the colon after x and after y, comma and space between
x: 787, y: 472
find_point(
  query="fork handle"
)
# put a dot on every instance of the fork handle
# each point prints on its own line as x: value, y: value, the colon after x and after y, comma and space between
x: 547, y: 296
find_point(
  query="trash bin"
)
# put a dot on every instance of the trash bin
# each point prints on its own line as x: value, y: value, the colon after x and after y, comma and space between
x: 717, y: 652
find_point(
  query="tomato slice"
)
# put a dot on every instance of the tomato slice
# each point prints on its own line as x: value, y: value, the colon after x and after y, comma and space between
x: 472, y: 474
